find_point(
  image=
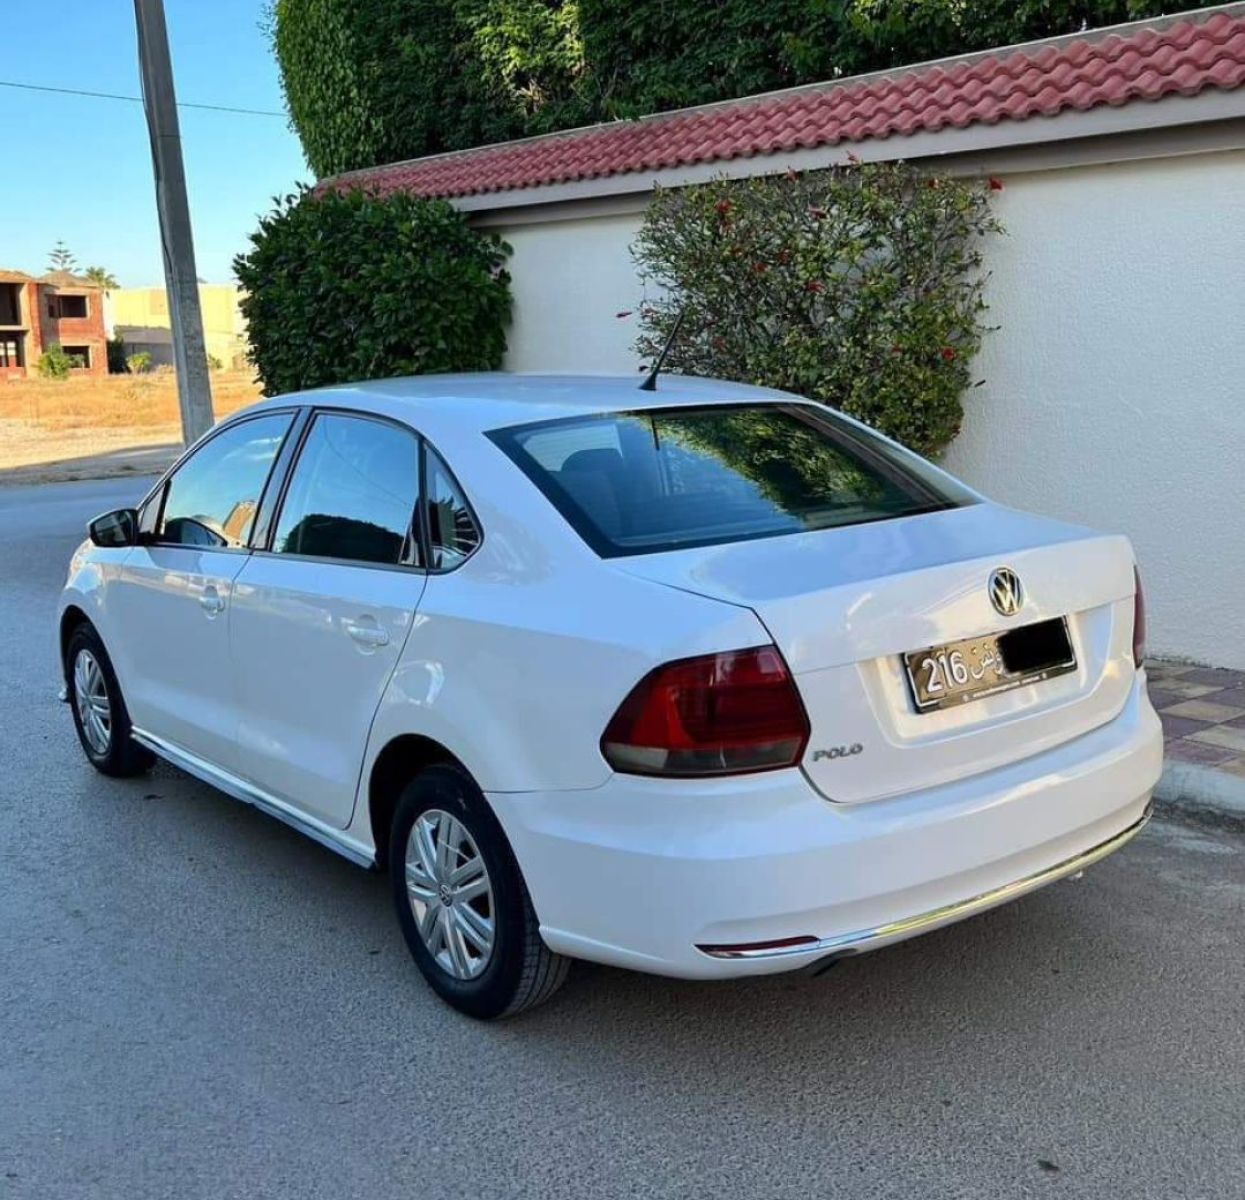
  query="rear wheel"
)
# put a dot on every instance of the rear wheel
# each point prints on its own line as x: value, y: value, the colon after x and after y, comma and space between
x: 99, y: 712
x: 462, y: 903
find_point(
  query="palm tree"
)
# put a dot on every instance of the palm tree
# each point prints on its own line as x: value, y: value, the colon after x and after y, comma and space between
x: 61, y: 258
x: 101, y: 277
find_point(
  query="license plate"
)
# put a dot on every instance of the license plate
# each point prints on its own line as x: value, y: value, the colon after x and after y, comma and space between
x: 960, y: 672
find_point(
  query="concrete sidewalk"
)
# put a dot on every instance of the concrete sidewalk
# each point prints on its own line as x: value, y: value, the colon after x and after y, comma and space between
x: 1203, y: 715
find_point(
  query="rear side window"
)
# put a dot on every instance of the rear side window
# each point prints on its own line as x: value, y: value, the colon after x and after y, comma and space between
x: 212, y: 498
x: 352, y: 494
x: 453, y: 534
x: 664, y: 479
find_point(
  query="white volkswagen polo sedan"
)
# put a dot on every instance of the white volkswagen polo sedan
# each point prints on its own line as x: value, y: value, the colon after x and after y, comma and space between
x: 707, y: 681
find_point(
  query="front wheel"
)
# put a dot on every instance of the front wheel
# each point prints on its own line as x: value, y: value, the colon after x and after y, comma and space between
x: 462, y: 903
x: 99, y: 712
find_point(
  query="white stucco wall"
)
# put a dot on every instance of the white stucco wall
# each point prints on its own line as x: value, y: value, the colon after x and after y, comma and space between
x: 570, y: 280
x: 1115, y: 385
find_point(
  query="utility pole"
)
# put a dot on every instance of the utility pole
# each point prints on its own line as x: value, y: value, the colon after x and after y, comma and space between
x: 194, y: 388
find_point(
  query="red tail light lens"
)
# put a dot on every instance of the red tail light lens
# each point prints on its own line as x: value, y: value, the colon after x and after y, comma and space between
x: 720, y: 714
x: 1139, y: 621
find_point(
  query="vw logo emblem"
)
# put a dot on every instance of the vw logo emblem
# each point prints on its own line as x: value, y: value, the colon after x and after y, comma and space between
x: 1006, y: 592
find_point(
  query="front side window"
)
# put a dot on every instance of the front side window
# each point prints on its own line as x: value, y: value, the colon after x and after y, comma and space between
x: 453, y: 534
x: 212, y: 498
x: 352, y: 495
x: 665, y: 479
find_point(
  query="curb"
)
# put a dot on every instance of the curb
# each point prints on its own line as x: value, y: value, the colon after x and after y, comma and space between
x: 1201, y: 794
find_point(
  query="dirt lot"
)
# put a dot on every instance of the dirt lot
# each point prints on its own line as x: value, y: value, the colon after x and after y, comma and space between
x: 82, y: 428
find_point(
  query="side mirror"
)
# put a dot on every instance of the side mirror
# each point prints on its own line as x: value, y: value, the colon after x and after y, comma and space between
x: 115, y: 529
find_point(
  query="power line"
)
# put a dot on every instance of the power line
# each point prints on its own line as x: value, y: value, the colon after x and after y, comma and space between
x: 36, y: 87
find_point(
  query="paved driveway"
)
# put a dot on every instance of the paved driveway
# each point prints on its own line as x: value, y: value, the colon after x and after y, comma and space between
x: 195, y: 1002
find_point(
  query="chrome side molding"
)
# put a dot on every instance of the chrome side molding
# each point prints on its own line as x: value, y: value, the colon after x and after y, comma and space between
x: 870, y: 939
x: 248, y: 793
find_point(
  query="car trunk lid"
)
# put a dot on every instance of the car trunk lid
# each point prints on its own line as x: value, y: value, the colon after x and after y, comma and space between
x: 845, y: 605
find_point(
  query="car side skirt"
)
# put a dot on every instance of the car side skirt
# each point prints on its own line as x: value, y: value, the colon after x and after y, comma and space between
x: 248, y: 793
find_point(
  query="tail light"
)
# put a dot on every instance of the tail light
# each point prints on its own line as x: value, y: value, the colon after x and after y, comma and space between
x: 1139, y: 621
x: 719, y: 714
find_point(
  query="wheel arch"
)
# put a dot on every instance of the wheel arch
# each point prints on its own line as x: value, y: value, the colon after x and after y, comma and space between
x: 401, y: 759
x: 71, y: 618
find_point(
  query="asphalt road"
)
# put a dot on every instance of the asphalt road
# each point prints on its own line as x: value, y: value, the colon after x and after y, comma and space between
x: 196, y: 1002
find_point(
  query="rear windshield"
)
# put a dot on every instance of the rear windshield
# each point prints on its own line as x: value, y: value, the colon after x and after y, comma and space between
x: 671, y: 478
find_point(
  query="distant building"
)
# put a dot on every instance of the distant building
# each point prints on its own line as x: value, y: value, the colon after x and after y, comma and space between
x: 56, y: 308
x: 140, y: 316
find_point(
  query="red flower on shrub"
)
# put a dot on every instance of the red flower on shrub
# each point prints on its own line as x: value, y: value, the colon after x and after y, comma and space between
x: 948, y: 354
x: 931, y: 183
x: 815, y: 285
x: 783, y: 256
x: 760, y: 268
x: 723, y: 207
x: 818, y: 214
x: 719, y: 343
x: 996, y: 184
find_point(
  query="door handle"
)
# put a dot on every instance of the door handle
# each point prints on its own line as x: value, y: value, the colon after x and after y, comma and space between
x: 368, y: 635
x: 212, y: 602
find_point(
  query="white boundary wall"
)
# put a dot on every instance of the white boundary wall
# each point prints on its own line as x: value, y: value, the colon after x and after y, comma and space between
x: 1115, y: 385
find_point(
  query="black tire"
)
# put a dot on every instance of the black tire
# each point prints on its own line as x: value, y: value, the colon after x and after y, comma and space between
x: 520, y: 971
x: 120, y: 755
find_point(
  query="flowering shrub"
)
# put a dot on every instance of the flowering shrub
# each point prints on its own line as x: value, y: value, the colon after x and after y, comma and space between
x: 859, y: 286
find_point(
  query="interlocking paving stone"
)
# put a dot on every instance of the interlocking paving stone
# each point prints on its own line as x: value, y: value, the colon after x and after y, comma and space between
x: 1178, y: 727
x: 1188, y: 691
x: 1198, y: 752
x: 1221, y: 735
x: 1162, y: 699
x: 1216, y: 676
x: 1205, y: 710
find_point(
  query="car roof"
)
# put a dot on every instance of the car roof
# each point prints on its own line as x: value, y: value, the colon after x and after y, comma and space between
x: 493, y: 400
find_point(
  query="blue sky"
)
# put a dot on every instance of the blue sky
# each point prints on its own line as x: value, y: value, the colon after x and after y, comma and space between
x: 80, y: 169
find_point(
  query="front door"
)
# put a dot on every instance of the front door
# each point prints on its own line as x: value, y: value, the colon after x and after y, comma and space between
x: 319, y: 619
x: 172, y: 611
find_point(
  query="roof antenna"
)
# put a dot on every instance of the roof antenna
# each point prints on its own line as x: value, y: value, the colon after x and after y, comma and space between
x: 650, y: 380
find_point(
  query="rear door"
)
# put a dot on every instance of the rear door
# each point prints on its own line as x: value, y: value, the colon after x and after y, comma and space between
x: 321, y: 613
x: 169, y: 604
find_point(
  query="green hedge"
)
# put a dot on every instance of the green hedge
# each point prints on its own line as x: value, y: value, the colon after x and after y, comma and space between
x: 374, y: 81
x: 346, y: 287
x: 858, y: 286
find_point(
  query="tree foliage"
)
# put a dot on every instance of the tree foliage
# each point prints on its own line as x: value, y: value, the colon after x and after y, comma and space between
x: 858, y: 286
x: 372, y: 81
x: 101, y: 277
x: 60, y: 258
x: 352, y: 286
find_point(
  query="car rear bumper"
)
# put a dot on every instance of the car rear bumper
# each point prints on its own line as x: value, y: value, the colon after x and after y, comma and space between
x: 642, y: 873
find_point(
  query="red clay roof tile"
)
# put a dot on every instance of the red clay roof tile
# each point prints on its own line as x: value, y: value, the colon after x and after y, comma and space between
x: 1187, y: 57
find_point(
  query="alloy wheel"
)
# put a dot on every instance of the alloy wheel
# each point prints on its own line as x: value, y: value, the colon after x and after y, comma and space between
x: 451, y: 895
x: 91, y: 697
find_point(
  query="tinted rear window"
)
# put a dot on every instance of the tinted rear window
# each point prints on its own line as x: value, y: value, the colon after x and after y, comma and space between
x: 669, y: 478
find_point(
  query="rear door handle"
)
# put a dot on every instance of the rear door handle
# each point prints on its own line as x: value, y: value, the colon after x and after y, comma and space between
x: 369, y: 635
x: 212, y: 602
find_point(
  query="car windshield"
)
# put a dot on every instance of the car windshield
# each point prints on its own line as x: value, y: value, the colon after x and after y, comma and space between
x: 671, y: 478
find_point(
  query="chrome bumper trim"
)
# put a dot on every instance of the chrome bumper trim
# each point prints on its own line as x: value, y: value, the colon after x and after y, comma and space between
x: 868, y: 939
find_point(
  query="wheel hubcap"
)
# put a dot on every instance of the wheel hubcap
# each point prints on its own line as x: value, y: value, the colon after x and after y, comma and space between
x: 91, y: 697
x: 450, y: 893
